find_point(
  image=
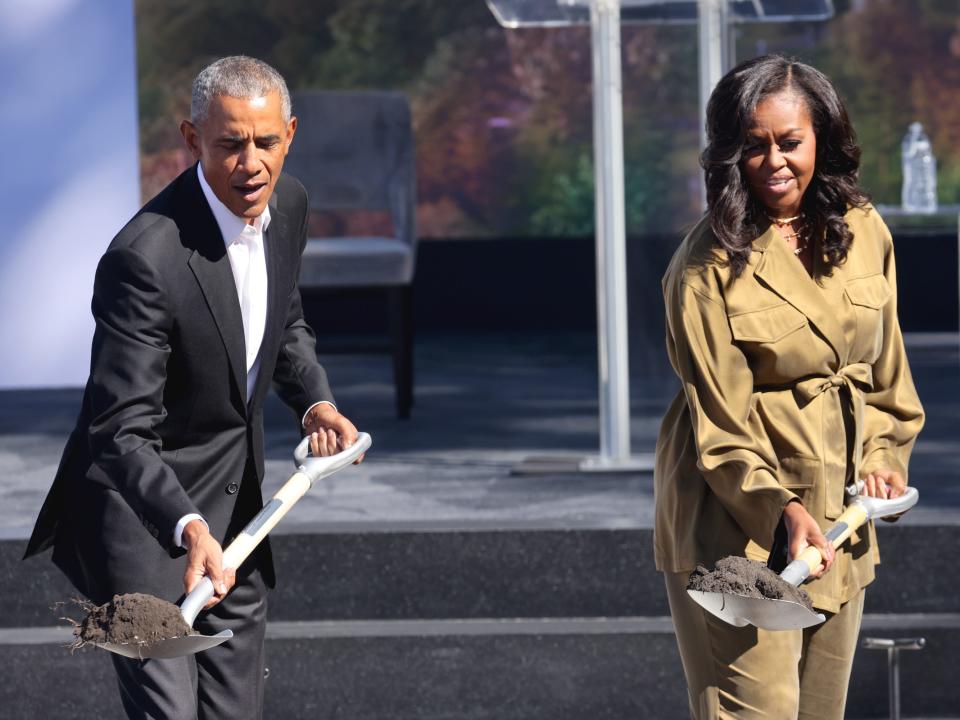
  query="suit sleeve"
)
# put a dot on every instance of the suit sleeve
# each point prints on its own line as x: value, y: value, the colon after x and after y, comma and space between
x: 734, y: 454
x: 298, y: 378
x: 893, y: 416
x: 127, y: 378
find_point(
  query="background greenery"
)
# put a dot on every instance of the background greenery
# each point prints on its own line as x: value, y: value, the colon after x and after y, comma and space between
x: 503, y: 117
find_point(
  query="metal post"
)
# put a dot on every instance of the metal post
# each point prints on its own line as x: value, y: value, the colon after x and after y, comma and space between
x: 610, y: 239
x: 893, y: 646
x: 893, y: 676
x: 714, y: 49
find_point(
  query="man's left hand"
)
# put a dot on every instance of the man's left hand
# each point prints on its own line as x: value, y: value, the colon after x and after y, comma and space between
x: 330, y: 432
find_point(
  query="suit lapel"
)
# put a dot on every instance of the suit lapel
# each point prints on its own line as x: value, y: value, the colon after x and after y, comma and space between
x: 211, y: 267
x: 779, y: 270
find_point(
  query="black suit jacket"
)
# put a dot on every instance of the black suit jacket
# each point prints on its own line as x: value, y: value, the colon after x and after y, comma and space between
x: 166, y: 428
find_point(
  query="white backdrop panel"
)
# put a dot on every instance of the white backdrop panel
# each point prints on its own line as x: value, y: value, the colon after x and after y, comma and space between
x: 70, y: 176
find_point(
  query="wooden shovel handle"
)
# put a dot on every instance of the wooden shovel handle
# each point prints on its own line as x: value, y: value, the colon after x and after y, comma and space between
x: 852, y: 518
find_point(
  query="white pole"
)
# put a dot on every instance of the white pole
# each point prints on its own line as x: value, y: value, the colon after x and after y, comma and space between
x: 713, y: 46
x: 610, y: 239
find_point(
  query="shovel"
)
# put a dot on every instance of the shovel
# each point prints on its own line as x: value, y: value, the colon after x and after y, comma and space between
x: 771, y: 614
x: 310, y: 469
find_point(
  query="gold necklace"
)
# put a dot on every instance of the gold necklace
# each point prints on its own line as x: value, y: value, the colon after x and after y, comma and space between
x: 780, y: 222
x: 789, y: 236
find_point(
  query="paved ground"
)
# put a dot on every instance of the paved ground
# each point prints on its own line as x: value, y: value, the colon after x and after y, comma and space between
x: 484, y: 403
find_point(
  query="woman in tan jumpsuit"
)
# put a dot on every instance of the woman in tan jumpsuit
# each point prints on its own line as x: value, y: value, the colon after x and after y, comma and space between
x: 782, y: 326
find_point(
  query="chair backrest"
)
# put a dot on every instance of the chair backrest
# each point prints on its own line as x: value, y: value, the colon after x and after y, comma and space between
x: 354, y: 150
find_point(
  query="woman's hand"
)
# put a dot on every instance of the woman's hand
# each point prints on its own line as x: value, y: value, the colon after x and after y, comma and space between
x: 803, y: 531
x: 884, y: 484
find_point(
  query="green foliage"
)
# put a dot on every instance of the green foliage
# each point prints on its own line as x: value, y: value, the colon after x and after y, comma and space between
x: 567, y: 207
x: 565, y: 203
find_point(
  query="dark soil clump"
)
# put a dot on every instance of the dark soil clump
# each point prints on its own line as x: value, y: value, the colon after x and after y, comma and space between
x: 134, y: 619
x: 747, y: 578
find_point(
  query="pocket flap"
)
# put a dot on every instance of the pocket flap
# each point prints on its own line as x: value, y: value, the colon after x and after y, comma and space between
x: 799, y: 471
x: 872, y: 291
x: 767, y: 325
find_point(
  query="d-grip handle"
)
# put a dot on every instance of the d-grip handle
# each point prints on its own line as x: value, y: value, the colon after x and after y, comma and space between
x: 318, y: 467
x: 857, y: 513
x: 311, y: 470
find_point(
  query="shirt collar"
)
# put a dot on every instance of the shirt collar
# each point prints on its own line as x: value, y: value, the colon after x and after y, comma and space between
x: 231, y: 226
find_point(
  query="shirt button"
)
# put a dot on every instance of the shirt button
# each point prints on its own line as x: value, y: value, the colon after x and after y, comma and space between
x: 232, y: 488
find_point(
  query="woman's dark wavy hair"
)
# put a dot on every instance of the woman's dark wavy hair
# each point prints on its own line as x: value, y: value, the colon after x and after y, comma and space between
x: 736, y: 218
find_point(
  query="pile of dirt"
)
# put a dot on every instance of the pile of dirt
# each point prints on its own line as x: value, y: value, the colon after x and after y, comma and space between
x: 135, y: 619
x: 747, y: 578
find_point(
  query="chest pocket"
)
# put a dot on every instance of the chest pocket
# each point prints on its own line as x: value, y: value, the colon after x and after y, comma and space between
x: 871, y: 292
x: 868, y: 295
x: 768, y: 325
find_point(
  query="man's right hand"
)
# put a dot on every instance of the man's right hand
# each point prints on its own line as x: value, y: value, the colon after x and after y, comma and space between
x: 205, y: 557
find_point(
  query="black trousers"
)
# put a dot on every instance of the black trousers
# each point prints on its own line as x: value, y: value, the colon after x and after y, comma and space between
x: 223, y: 683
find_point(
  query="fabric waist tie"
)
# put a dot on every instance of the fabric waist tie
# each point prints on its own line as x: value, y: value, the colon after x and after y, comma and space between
x: 857, y: 378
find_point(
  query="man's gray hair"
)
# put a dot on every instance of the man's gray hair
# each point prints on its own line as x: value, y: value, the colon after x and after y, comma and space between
x: 237, y: 76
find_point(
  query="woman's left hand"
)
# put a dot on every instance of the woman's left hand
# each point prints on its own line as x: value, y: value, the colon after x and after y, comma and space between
x: 884, y: 484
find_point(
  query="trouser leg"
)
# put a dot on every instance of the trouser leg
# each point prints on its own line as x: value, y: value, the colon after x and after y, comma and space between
x: 828, y: 651
x: 157, y: 689
x: 745, y: 673
x: 225, y: 682
x: 230, y: 676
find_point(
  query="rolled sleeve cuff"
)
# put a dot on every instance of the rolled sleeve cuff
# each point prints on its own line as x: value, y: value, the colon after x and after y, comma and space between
x: 178, y: 531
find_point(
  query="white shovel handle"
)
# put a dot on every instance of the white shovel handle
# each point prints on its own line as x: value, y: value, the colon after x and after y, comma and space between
x: 311, y: 470
x: 857, y: 513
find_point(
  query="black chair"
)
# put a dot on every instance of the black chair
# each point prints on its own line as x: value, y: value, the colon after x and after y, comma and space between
x: 354, y: 151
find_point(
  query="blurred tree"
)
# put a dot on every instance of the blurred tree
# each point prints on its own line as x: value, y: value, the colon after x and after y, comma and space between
x: 503, y: 117
x: 386, y: 43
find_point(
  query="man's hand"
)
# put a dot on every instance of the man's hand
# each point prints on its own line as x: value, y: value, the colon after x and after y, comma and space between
x: 204, y: 557
x: 802, y: 531
x: 330, y: 432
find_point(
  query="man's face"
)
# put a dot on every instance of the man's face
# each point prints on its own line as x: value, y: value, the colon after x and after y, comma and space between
x: 241, y: 146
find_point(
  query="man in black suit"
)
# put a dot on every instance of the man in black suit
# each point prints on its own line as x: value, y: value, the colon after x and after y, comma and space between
x: 197, y: 309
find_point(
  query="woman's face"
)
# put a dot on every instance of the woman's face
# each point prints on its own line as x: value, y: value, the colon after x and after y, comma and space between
x: 780, y: 153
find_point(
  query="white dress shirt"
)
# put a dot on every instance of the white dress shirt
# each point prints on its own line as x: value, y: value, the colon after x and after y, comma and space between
x: 248, y: 261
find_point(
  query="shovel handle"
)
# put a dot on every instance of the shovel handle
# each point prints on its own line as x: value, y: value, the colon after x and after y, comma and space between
x: 801, y: 567
x: 319, y: 467
x: 857, y: 513
x: 311, y: 469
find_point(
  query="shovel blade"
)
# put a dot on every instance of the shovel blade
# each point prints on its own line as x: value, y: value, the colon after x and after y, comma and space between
x: 762, y: 613
x: 170, y: 648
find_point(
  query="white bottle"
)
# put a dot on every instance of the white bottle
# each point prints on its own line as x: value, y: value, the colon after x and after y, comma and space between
x: 919, y: 194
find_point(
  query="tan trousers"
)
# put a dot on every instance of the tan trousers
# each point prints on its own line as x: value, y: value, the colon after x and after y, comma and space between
x: 748, y: 673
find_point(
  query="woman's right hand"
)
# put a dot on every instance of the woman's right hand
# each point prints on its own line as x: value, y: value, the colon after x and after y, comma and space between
x: 803, y: 531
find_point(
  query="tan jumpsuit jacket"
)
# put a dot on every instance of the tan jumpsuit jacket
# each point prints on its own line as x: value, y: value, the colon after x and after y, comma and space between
x: 780, y: 371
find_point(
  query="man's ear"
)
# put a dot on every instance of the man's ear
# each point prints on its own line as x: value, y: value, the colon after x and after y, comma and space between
x: 291, y: 130
x: 191, y: 137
